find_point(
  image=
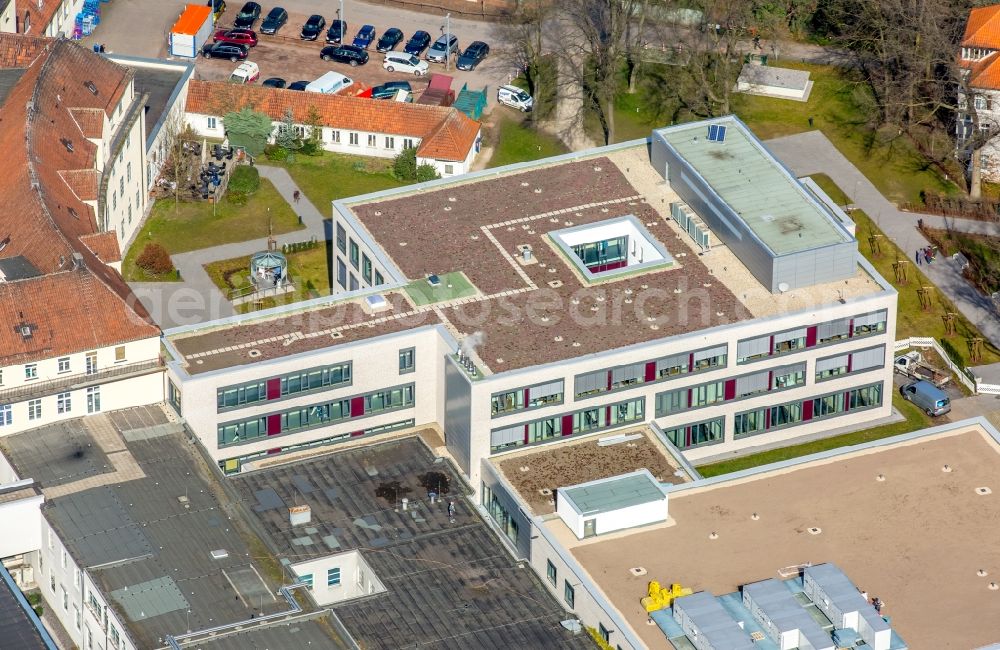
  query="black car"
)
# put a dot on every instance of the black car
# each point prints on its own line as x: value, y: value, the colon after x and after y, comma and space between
x: 274, y: 82
x: 390, y: 39
x: 472, y: 56
x: 336, y: 32
x: 389, y: 89
x: 298, y: 85
x: 274, y: 21
x: 232, y: 51
x: 417, y: 43
x: 248, y: 16
x: 313, y: 28
x: 218, y: 7
x: 350, y: 54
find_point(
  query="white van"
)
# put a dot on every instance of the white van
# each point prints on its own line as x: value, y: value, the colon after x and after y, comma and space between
x: 246, y: 73
x: 331, y: 82
x: 515, y: 98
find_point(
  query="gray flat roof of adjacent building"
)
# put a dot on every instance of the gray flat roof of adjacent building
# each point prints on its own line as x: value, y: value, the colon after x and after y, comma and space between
x: 615, y: 493
x: 844, y: 594
x: 18, y: 630
x: 754, y: 184
x: 160, y: 84
x: 787, y: 614
x: 714, y: 623
x: 451, y: 584
x: 767, y: 75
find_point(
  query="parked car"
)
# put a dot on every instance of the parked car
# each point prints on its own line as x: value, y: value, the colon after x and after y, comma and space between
x: 472, y: 56
x: 246, y: 73
x: 927, y: 396
x: 404, y: 63
x: 230, y: 51
x: 237, y: 36
x: 248, y: 16
x: 350, y: 54
x: 275, y: 20
x: 313, y: 28
x: 515, y: 98
x: 274, y: 82
x: 417, y: 43
x: 443, y: 47
x: 365, y: 37
x: 338, y: 28
x: 389, y: 89
x: 390, y: 39
x: 218, y: 7
x: 912, y: 364
x: 330, y: 82
x: 298, y: 85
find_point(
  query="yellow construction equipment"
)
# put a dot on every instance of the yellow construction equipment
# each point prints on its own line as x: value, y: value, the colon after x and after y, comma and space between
x: 660, y: 597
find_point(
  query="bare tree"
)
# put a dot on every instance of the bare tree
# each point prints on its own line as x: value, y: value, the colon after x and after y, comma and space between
x: 524, y: 31
x: 179, y: 163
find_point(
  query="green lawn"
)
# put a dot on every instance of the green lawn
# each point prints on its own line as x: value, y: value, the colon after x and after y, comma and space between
x: 191, y: 225
x: 517, y: 142
x: 915, y: 419
x: 309, y: 270
x: 911, y: 319
x: 333, y: 176
x: 453, y: 286
x: 892, y: 162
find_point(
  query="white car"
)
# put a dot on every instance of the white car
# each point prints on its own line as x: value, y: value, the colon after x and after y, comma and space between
x: 515, y: 98
x: 246, y: 73
x: 404, y: 63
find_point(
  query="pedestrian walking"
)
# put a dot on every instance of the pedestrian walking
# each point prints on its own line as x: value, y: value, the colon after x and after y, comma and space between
x: 295, y: 196
x: 451, y: 511
x: 810, y: 121
x: 918, y: 257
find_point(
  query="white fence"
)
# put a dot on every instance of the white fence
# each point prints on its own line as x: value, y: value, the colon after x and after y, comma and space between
x: 962, y: 374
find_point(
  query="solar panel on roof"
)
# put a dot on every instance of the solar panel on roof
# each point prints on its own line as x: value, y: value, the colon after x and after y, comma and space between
x: 716, y: 133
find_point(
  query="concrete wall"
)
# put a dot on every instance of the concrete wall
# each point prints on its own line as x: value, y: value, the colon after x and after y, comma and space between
x: 22, y: 517
x: 356, y: 578
x: 608, y: 522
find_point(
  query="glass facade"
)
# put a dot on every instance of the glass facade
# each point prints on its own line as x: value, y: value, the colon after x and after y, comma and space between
x: 697, y: 434
x: 529, y: 397
x: 499, y: 514
x: 280, y: 386
x: 651, y: 371
x: 612, y: 251
x: 583, y: 421
x: 825, y: 333
x: 748, y: 423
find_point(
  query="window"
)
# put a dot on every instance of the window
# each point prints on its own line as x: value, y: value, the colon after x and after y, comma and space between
x: 306, y: 380
x: 832, y: 366
x: 31, y: 371
x: 707, y: 394
x: 751, y: 349
x: 333, y: 577
x: 119, y: 353
x: 569, y: 594
x: 353, y: 283
x: 115, y: 638
x: 211, y: 123
x: 76, y: 617
x: 698, y: 434
x: 65, y: 598
x: 341, y: 238
x: 63, y: 556
x: 498, y: 512
x: 550, y: 573
x: 121, y: 187
x: 788, y: 376
x: 6, y: 415
x: 748, y: 423
x: 137, y: 199
x: 335, y: 136
x: 672, y: 401
x: 130, y: 213
x: 1, y: 377
x: 869, y: 324
x: 786, y: 414
x: 828, y: 405
x: 174, y: 396
x: 341, y: 273
x: 355, y: 254
x: 790, y: 341
x: 91, y: 363
x: 604, y: 632
x: 379, y: 281
x: 94, y: 399
x: 390, y: 142
x: 629, y: 375
x: 449, y: 169
x: 352, y: 139
x: 371, y: 139
x: 128, y: 172
x: 63, y: 403
x: 527, y: 398
x: 34, y: 409
x: 64, y: 364
x: 833, y: 331
x: 407, y: 143
x: 406, y: 360
x: 307, y: 578
x: 366, y: 269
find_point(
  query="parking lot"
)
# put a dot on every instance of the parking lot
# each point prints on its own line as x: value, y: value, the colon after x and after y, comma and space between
x: 125, y: 24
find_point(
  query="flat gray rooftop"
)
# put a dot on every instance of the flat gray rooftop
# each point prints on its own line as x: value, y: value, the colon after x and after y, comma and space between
x: 766, y: 75
x: 451, y: 585
x: 160, y: 84
x: 747, y: 177
x: 787, y: 614
x: 716, y: 626
x: 115, y: 486
x: 614, y: 493
x: 17, y: 630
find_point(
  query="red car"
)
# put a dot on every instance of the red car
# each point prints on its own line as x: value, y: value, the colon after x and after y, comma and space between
x: 236, y: 36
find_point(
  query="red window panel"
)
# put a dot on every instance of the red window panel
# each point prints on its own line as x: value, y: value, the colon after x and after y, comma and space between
x: 357, y: 406
x: 526, y: 434
x: 527, y: 397
x: 650, y: 371
x: 850, y: 328
x: 767, y: 419
x: 567, y: 425
x: 276, y: 450
x: 729, y: 392
x: 807, y: 409
x: 847, y: 401
x: 274, y: 424
x: 274, y: 388
x: 354, y: 434
x: 811, y: 336
x: 609, y: 380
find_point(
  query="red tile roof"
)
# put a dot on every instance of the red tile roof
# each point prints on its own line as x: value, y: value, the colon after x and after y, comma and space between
x: 83, y: 182
x: 69, y: 311
x: 104, y: 245
x: 18, y: 51
x: 446, y: 133
x: 90, y: 121
x: 983, y: 28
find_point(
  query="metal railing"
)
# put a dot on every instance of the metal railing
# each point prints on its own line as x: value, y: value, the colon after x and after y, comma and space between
x: 63, y: 383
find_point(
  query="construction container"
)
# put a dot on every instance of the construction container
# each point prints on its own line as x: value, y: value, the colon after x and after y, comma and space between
x: 191, y: 31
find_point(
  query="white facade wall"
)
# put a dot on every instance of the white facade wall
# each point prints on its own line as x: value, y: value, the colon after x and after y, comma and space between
x: 774, y: 91
x: 608, y: 522
x: 63, y: 20
x: 375, y: 366
x: 448, y: 168
x: 126, y: 195
x: 8, y: 21
x: 23, y: 518
x: 356, y: 578
x: 114, y: 394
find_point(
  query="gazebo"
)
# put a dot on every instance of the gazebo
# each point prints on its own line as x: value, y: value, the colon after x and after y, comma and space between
x: 268, y: 270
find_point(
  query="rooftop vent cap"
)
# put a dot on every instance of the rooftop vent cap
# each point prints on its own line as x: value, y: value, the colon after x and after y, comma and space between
x: 66, y: 142
x: 90, y: 86
x: 220, y: 554
x: 783, y: 287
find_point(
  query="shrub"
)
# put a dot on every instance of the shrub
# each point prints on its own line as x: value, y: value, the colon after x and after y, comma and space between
x: 276, y: 153
x: 404, y: 166
x: 154, y: 258
x: 245, y: 180
x: 310, y: 148
x: 237, y: 198
x: 426, y: 172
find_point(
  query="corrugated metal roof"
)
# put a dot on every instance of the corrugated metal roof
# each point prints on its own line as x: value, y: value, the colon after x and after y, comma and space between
x: 713, y: 622
x: 844, y: 594
x: 778, y: 604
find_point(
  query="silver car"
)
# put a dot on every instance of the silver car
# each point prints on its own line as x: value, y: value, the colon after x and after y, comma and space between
x: 443, y: 48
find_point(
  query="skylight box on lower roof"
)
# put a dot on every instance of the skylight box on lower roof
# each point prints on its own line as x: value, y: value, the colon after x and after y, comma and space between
x: 611, y: 248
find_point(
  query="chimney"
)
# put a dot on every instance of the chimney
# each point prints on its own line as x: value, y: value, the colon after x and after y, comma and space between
x: 77, y: 261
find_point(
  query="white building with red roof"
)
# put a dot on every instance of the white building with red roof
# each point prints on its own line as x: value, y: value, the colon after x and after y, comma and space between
x: 979, y: 59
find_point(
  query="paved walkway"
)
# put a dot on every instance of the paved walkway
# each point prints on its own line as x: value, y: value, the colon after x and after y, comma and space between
x: 812, y: 153
x: 196, y: 299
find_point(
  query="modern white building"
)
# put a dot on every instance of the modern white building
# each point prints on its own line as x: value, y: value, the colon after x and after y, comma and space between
x: 444, y: 137
x: 463, y: 304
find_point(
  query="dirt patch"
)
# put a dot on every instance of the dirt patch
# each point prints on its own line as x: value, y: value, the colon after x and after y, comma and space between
x: 551, y: 467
